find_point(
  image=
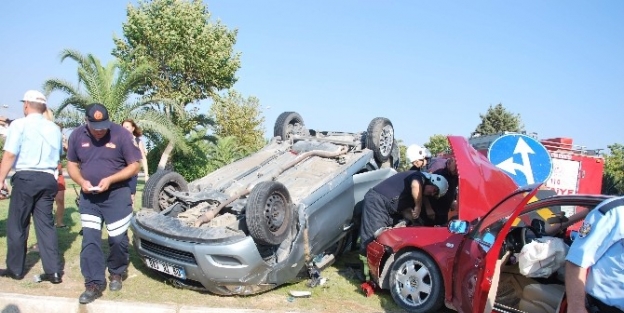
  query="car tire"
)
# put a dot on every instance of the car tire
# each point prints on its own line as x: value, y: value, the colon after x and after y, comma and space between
x: 154, y: 193
x: 395, y: 155
x: 288, y: 124
x: 416, y: 283
x: 380, y: 138
x: 269, y: 213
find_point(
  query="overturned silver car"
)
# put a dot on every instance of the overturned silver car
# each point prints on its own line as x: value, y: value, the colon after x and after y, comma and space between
x: 277, y: 216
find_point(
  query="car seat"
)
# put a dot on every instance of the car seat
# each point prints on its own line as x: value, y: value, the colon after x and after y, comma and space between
x: 538, y: 298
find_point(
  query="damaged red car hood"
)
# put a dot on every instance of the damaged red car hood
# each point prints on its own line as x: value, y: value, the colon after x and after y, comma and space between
x: 482, y: 185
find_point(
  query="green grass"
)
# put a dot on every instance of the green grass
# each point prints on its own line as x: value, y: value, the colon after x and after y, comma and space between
x: 339, y: 294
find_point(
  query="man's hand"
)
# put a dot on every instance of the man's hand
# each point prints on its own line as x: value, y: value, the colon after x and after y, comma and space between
x: 104, y: 184
x: 4, y: 190
x: 411, y: 214
x: 86, y: 186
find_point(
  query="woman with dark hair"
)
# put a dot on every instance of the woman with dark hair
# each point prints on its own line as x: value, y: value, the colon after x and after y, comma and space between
x: 60, y: 178
x: 132, y: 127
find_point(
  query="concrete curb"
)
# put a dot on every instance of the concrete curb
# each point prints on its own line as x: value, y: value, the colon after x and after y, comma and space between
x: 18, y: 303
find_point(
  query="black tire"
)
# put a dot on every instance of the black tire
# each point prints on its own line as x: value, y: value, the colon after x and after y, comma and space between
x: 395, y: 155
x: 379, y: 138
x: 288, y: 124
x: 417, y: 293
x: 154, y: 195
x: 269, y: 213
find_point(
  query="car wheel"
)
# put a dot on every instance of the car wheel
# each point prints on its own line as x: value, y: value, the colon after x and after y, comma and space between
x: 288, y: 124
x: 416, y: 283
x: 269, y: 213
x: 379, y: 138
x: 155, y: 194
x: 395, y: 155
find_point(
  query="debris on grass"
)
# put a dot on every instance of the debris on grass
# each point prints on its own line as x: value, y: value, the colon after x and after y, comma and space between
x: 300, y: 294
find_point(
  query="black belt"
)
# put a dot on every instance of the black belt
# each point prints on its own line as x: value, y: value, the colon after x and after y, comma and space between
x: 596, y: 306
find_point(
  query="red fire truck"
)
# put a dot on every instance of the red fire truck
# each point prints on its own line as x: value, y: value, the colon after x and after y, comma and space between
x: 575, y: 169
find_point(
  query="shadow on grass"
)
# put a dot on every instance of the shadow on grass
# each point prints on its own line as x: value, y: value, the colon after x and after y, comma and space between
x: 65, y: 239
x: 350, y: 267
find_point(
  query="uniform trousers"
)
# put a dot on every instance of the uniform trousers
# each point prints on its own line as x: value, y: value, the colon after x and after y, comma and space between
x: 32, y: 194
x: 594, y: 305
x: 377, y: 212
x: 113, y: 208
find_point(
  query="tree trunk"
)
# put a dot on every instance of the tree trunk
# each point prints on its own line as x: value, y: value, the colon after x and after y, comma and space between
x: 165, y: 156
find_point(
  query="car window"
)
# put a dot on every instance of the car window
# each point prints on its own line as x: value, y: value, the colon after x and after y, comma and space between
x: 489, y: 227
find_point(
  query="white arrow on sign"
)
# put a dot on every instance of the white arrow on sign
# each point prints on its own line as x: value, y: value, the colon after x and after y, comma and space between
x: 508, y: 165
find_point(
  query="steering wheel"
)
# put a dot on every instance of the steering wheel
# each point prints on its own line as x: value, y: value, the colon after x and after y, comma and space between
x: 519, y: 237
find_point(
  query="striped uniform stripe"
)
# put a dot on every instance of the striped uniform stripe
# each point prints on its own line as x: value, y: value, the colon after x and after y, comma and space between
x: 119, y: 227
x: 91, y: 221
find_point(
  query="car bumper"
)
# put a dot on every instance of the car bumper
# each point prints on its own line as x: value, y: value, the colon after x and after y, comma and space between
x: 225, y: 268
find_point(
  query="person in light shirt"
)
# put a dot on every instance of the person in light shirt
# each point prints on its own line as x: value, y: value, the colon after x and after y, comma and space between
x: 33, y: 148
x: 594, y: 273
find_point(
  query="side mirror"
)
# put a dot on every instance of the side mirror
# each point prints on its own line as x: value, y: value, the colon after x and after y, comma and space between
x: 458, y: 227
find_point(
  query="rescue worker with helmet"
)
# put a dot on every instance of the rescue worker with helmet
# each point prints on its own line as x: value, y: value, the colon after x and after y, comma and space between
x: 417, y: 157
x: 441, y: 206
x: 397, y: 197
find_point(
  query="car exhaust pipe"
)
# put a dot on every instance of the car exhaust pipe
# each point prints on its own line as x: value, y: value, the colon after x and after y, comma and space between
x: 300, y: 158
x: 210, y: 214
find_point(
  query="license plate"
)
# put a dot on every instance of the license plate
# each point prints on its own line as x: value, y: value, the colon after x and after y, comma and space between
x: 165, y: 268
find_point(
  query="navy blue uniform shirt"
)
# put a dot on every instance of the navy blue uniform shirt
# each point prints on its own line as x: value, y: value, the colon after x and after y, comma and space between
x: 398, y: 188
x: 103, y: 158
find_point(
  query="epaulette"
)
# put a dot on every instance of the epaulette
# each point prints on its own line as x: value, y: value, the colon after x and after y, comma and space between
x: 612, y: 204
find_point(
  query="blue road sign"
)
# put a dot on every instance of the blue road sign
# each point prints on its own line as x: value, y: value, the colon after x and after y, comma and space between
x: 523, y: 158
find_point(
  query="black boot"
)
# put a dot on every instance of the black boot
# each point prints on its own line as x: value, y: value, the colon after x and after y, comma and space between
x: 91, y: 293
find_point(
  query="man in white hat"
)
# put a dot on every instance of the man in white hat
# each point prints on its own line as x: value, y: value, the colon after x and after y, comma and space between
x: 33, y: 147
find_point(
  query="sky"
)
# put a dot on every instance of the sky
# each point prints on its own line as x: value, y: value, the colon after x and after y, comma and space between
x: 431, y: 67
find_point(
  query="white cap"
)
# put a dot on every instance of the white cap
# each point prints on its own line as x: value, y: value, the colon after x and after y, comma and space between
x: 415, y: 153
x: 34, y: 96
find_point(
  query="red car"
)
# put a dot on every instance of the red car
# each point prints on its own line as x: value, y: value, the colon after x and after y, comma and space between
x: 472, y: 265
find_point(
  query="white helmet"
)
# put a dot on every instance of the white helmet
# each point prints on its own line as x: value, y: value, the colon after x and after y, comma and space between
x: 438, y: 181
x: 415, y: 153
x: 427, y: 153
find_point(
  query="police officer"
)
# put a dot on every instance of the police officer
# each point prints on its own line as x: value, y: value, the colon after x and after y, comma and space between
x: 594, y: 273
x: 399, y: 196
x: 102, y: 157
x: 33, y: 145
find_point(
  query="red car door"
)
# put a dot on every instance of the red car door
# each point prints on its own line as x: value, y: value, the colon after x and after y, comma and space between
x: 477, y: 260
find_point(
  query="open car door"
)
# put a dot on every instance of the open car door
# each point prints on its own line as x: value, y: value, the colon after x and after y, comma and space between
x: 478, y: 261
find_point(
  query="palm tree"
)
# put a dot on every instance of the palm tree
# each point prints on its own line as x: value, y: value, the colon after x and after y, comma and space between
x: 112, y: 86
x: 225, y: 151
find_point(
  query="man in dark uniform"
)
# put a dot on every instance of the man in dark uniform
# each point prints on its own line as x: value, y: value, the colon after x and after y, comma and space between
x: 442, y: 205
x: 33, y: 146
x: 102, y: 157
x: 399, y: 196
